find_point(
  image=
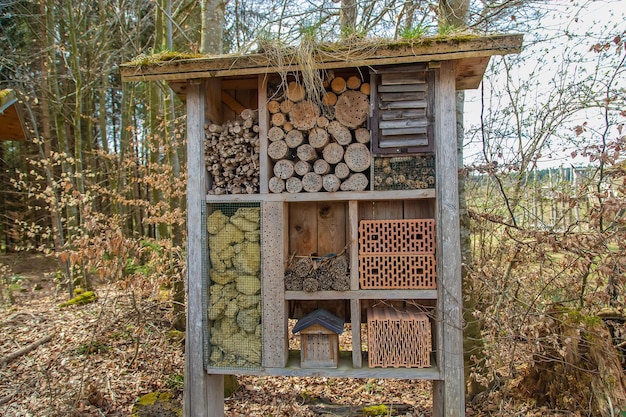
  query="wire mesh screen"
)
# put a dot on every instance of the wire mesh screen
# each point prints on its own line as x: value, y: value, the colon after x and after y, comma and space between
x: 233, y: 285
x: 404, y: 172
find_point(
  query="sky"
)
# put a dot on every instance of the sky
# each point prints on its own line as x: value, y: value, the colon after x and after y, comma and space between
x: 562, y: 61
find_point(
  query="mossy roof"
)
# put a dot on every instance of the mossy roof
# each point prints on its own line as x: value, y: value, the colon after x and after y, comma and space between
x: 472, y: 53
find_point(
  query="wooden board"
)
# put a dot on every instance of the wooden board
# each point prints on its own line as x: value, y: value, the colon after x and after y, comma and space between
x: 419, y: 209
x: 331, y: 227
x: 449, y: 339
x: 303, y: 228
x: 274, y: 310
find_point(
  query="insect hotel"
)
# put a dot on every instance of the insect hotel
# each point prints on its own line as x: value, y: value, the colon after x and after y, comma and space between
x: 333, y: 186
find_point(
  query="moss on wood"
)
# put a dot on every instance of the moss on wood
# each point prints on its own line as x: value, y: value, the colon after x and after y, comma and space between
x: 80, y: 299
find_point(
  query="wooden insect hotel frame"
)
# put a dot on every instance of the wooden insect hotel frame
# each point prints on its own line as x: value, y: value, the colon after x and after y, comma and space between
x: 340, y: 196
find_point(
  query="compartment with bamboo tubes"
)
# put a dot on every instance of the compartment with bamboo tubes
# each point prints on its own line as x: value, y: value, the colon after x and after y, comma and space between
x: 324, y: 135
x: 318, y: 247
x: 231, y: 154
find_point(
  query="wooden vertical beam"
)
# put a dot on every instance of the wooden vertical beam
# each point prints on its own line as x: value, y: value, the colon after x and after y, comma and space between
x: 203, y: 394
x: 214, y: 109
x: 355, y: 305
x: 449, y: 395
x: 274, y: 310
x: 264, y: 174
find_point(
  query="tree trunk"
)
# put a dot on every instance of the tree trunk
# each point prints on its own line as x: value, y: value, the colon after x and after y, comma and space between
x: 212, y: 16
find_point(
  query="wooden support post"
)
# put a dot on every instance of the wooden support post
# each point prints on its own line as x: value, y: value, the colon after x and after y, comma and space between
x: 449, y: 394
x: 355, y: 305
x: 203, y: 394
x: 274, y: 310
x: 265, y: 172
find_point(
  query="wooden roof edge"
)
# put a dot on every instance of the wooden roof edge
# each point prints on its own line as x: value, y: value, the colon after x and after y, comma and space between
x: 7, y: 99
x: 393, y: 52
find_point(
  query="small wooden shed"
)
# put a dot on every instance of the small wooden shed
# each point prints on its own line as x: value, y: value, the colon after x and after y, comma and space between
x: 319, y: 339
x: 385, y: 150
x: 11, y: 119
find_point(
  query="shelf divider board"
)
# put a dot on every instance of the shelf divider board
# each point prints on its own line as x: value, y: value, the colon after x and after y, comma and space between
x: 274, y: 309
x: 355, y: 315
x: 264, y: 174
x: 353, y: 236
x: 336, y: 196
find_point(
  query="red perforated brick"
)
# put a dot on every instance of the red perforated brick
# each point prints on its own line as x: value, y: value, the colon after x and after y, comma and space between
x: 397, y: 236
x: 397, y: 271
x: 398, y: 338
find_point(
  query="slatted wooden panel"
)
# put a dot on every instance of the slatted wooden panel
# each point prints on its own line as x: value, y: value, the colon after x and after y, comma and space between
x: 402, y: 121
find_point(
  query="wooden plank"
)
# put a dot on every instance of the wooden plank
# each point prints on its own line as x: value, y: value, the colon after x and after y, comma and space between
x: 345, y: 370
x: 403, y: 114
x: 213, y: 110
x: 388, y: 210
x: 448, y: 243
x: 402, y: 141
x: 405, y: 131
x: 240, y: 83
x: 413, y: 104
x: 199, y: 386
x: 265, y: 172
x: 419, y: 209
x: 331, y: 227
x: 353, y: 250
x: 399, y: 124
x: 303, y: 229
x: 232, y: 104
x: 362, y: 294
x: 338, y: 196
x: 403, y: 78
x: 355, y: 320
x: 402, y: 96
x: 401, y: 88
x: 274, y: 309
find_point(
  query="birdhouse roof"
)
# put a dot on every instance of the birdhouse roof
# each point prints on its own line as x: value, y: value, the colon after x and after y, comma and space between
x: 321, y: 317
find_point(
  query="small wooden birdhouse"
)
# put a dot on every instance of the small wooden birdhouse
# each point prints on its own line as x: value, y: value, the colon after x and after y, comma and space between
x: 319, y: 339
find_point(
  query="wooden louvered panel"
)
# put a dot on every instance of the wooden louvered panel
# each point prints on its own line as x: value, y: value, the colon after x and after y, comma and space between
x: 402, y: 103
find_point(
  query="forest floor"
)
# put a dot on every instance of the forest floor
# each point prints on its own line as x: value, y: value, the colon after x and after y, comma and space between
x: 98, y: 359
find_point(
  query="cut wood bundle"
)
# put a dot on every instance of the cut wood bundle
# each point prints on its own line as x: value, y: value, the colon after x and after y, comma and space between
x: 293, y: 185
x: 312, y: 182
x: 321, y: 167
x: 318, y: 137
x: 333, y: 153
x: 319, y: 147
x: 340, y: 133
x: 276, y: 185
x: 358, y: 157
x: 331, y: 183
x: 356, y: 182
x: 352, y: 109
x: 294, y: 138
x: 304, y: 114
x: 275, y: 133
x: 278, y: 150
x: 295, y: 92
x: 284, y: 169
x: 231, y: 154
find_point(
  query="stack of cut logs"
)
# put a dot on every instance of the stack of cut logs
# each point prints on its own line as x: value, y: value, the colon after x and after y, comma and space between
x: 320, y: 147
x: 232, y: 155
